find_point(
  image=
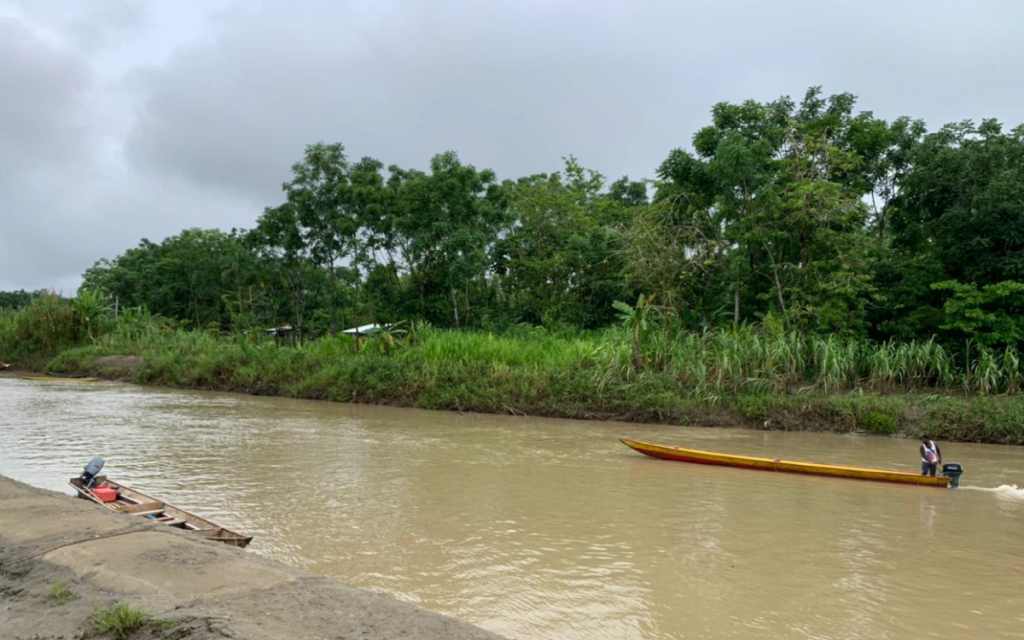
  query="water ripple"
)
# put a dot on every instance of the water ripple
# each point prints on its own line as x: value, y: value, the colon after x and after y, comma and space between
x: 550, y: 529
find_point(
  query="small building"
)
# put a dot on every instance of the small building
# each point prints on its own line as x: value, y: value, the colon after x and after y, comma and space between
x: 284, y: 333
x: 365, y: 330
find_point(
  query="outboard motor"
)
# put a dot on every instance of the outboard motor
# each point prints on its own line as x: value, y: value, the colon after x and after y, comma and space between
x: 953, y: 471
x: 93, y: 469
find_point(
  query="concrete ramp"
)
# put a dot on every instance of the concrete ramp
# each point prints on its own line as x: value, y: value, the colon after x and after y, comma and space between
x: 205, y: 589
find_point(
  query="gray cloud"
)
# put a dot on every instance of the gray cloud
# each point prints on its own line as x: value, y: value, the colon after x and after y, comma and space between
x: 44, y: 148
x: 88, y: 24
x: 42, y: 125
x: 184, y: 115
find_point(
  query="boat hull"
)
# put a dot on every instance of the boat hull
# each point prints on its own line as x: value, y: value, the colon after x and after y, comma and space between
x: 698, y: 456
x: 136, y: 503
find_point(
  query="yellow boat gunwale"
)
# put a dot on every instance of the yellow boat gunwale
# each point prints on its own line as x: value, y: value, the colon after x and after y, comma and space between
x: 699, y: 456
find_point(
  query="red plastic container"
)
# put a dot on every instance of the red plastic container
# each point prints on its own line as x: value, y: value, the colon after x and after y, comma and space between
x: 105, y: 493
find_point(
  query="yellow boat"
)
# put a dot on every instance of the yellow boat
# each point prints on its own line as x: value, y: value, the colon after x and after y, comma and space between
x: 786, y: 466
x: 57, y: 379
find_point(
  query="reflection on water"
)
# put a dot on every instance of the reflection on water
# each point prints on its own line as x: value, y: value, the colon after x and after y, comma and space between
x: 550, y: 528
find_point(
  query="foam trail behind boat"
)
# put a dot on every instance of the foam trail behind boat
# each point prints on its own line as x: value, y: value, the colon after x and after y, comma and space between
x: 1005, y: 491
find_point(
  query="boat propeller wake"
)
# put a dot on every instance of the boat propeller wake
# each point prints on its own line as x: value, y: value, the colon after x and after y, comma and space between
x: 1005, y: 491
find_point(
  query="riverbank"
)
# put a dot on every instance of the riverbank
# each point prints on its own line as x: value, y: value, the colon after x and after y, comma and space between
x: 747, y: 378
x: 496, y: 375
x: 61, y: 559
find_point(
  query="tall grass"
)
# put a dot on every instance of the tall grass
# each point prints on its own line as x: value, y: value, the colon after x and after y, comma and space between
x: 743, y: 377
x: 748, y: 376
x: 43, y: 328
x: 751, y: 361
x: 707, y: 365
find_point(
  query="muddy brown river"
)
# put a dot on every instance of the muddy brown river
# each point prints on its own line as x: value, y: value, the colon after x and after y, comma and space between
x: 551, y: 529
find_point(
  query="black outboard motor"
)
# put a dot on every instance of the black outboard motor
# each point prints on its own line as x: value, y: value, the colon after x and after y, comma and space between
x: 91, y: 471
x: 953, y: 471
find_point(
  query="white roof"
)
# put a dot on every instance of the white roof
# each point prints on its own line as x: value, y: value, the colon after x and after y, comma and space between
x: 366, y: 328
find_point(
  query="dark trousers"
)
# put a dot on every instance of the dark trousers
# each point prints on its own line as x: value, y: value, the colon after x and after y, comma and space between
x: 928, y: 468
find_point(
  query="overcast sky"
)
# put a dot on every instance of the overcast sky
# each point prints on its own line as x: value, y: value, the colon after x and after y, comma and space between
x: 122, y: 119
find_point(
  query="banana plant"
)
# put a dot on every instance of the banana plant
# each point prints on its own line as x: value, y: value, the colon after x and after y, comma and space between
x: 93, y: 309
x: 391, y: 336
x: 634, y: 320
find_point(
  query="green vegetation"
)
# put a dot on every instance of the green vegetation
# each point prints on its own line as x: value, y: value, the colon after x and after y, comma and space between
x: 61, y: 594
x: 802, y: 265
x: 659, y: 373
x: 12, y: 300
x: 48, y: 324
x: 120, y: 619
x: 807, y: 216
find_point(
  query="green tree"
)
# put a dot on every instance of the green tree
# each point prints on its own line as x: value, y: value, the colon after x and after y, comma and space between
x: 770, y: 210
x: 964, y: 201
x: 803, y: 214
x: 958, y: 216
x: 320, y: 195
x: 887, y: 156
x: 992, y: 315
x: 559, y: 260
x: 447, y: 221
x: 286, y: 268
x: 182, y: 277
x: 11, y: 300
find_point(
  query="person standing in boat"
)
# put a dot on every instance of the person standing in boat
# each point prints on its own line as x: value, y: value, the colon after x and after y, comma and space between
x: 931, y: 456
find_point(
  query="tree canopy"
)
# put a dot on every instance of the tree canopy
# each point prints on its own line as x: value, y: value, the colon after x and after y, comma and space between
x: 802, y: 215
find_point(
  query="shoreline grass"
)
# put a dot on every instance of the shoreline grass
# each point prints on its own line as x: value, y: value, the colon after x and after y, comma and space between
x: 743, y: 378
x: 120, y: 619
x: 61, y: 594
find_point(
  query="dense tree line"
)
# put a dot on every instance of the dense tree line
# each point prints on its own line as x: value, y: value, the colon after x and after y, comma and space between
x: 11, y: 300
x: 806, y: 216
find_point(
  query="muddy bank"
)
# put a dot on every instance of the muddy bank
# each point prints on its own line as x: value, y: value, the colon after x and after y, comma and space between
x: 953, y: 418
x: 196, y: 589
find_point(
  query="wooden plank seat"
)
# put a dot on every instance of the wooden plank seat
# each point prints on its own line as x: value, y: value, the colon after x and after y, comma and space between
x: 141, y: 507
x: 170, y: 521
x: 148, y: 513
x: 134, y: 502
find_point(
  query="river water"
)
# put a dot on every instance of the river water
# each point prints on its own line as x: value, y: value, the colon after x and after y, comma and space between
x: 551, y: 529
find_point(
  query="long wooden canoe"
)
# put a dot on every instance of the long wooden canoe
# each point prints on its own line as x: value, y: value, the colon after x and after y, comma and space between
x: 786, y: 466
x: 136, y: 503
x: 57, y: 379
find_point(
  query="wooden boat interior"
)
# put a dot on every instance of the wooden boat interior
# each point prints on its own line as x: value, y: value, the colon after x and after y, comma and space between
x: 133, y: 502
